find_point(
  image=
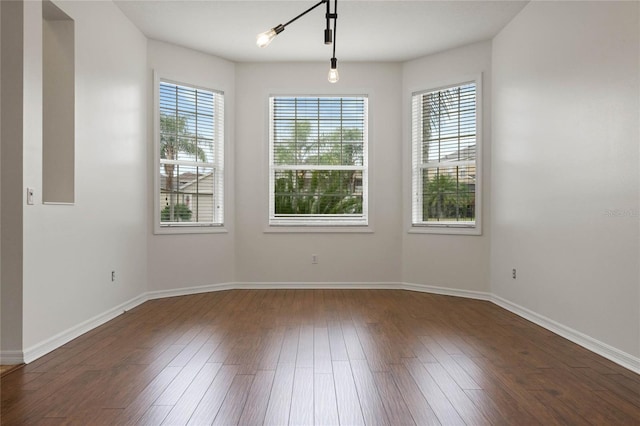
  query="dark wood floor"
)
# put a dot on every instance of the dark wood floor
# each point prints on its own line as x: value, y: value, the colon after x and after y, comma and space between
x: 347, y: 357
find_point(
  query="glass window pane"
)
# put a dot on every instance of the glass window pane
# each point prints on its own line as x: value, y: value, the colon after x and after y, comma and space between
x: 187, y: 194
x: 318, y: 132
x: 448, y: 194
x: 318, y: 192
x: 189, y: 134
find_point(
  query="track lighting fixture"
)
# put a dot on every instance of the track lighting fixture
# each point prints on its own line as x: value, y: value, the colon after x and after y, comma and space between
x: 265, y: 38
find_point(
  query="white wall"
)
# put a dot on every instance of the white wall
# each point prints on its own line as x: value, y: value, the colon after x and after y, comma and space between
x: 373, y: 257
x: 458, y: 262
x: 190, y: 260
x: 70, y: 251
x: 565, y: 169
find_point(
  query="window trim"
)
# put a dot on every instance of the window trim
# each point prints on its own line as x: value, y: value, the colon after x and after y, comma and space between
x: 448, y: 228
x: 297, y: 225
x: 186, y: 227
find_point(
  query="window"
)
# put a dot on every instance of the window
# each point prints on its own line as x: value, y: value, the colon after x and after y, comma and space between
x: 445, y: 181
x: 190, y: 152
x: 318, y: 161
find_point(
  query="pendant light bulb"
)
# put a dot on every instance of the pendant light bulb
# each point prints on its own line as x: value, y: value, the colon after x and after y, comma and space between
x: 333, y: 71
x: 265, y: 38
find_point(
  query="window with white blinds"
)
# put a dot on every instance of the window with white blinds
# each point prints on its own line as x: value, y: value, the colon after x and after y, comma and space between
x: 318, y: 158
x: 445, y: 144
x: 190, y: 152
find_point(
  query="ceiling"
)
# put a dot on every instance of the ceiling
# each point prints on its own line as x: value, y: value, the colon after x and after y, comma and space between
x: 372, y: 30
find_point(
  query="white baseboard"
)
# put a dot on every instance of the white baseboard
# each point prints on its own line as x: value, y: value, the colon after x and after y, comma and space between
x: 624, y: 359
x: 43, y: 348
x: 268, y: 286
x: 318, y: 285
x: 445, y: 291
x: 161, y: 294
x: 11, y: 357
x: 619, y: 357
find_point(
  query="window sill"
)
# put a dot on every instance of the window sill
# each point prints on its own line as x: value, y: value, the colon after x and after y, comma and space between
x: 445, y: 230
x: 176, y: 230
x: 301, y: 229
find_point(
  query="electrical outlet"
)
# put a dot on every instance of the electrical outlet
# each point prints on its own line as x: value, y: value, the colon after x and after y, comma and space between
x: 513, y: 273
x: 314, y: 259
x: 113, y: 276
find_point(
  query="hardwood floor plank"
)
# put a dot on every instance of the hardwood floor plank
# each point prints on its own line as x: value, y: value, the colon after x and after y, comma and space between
x: 192, y: 348
x: 190, y: 399
x: 574, y: 393
x: 392, y: 400
x: 374, y: 352
x: 630, y: 410
x: 490, y: 409
x: 351, y: 341
x: 289, y: 349
x: 177, y: 387
x: 53, y: 421
x: 525, y: 398
x: 120, y: 393
x: 258, y: 398
x: 144, y: 400
x: 564, y: 414
x: 269, y: 354
x: 210, y: 403
x: 324, y: 400
x: 336, y: 342
x: 420, y: 410
x: 79, y: 396
x: 446, y: 413
x: 321, y: 351
x: 495, y: 395
x: 463, y: 405
x: 231, y: 409
x: 94, y: 416
x: 421, y: 352
x: 370, y: 402
x: 280, y: 399
x: 302, y: 398
x: 445, y: 359
x: 349, y: 410
x: 155, y: 415
x: 305, y: 348
x: 246, y: 351
x: 623, y: 387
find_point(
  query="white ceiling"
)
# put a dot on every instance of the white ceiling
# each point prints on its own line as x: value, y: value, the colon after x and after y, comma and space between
x: 373, y: 30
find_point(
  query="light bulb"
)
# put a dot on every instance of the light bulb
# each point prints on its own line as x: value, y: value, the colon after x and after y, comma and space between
x: 333, y: 71
x: 333, y: 75
x: 263, y: 39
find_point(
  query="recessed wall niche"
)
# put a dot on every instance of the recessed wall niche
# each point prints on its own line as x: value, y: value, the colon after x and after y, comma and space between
x: 58, y: 105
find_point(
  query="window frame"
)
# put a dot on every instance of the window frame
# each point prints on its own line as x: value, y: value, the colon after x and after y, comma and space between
x: 415, y: 207
x: 316, y: 223
x: 217, y: 226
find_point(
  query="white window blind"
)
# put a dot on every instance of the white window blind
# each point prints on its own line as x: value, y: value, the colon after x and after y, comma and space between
x: 318, y: 159
x: 444, y: 147
x: 191, y: 156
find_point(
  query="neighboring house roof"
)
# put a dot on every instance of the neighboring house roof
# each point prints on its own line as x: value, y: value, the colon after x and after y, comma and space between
x: 463, y: 154
x: 469, y: 177
x: 185, y: 180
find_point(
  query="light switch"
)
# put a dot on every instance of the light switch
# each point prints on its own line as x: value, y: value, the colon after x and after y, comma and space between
x: 30, y: 196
